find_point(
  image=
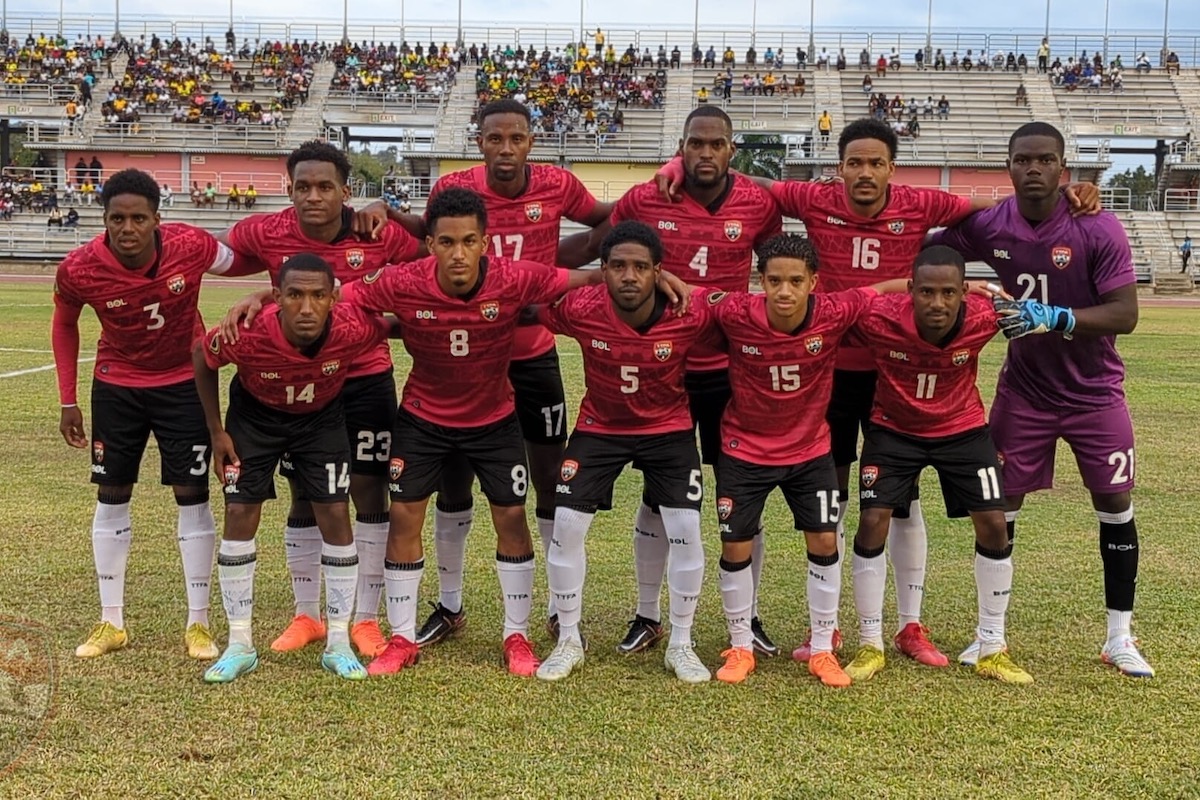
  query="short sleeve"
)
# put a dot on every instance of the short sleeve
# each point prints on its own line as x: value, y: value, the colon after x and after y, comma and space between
x: 217, y: 353
x: 627, y: 206
x: 402, y: 245
x: 942, y: 209
x: 578, y: 202
x: 772, y: 220
x: 540, y: 283
x: 556, y: 317
x: 795, y: 198
x: 1111, y: 260
x: 853, y: 304
x: 243, y: 236
x: 963, y: 237
x: 374, y: 291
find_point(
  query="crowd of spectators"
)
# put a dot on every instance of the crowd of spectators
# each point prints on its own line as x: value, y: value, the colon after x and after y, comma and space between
x: 570, y: 90
x: 394, y: 72
x: 178, y: 78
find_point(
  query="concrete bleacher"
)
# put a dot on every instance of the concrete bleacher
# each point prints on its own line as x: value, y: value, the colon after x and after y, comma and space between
x: 983, y: 111
x: 1148, y: 106
x: 782, y: 112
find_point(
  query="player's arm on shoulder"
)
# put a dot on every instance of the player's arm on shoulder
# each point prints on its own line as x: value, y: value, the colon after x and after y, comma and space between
x: 581, y: 249
x: 64, y: 341
x: 208, y: 354
x: 370, y: 221
x: 966, y: 237
x: 242, y: 313
x: 1084, y: 199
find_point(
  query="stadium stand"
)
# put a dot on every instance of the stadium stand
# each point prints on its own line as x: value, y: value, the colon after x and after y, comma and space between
x: 611, y: 106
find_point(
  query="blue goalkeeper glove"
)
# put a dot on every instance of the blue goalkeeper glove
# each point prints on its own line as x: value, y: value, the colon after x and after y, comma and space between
x: 1017, y: 318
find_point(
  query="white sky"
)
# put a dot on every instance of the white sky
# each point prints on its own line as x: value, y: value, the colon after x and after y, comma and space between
x: 1075, y: 15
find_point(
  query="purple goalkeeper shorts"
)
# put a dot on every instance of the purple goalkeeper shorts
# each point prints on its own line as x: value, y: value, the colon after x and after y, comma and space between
x: 1027, y: 437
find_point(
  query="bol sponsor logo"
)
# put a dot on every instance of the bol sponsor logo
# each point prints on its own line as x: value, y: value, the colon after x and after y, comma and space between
x: 28, y: 683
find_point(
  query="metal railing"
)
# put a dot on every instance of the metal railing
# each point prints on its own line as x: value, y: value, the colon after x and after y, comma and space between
x: 1064, y: 41
x: 1181, y: 200
x: 625, y: 143
x: 387, y: 102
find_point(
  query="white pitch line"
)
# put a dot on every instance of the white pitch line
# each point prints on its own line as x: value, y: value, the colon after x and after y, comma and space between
x: 21, y: 372
x: 22, y: 350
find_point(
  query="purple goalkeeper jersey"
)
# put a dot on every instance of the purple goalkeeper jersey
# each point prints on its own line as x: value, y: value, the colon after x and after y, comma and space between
x: 1063, y: 261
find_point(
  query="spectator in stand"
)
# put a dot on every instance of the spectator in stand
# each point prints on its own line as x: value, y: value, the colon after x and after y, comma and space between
x: 1185, y: 252
x: 728, y: 59
x: 701, y: 95
x: 1116, y: 82
x: 868, y: 87
x: 55, y: 220
x: 676, y: 58
x: 919, y: 58
x: 72, y: 220
x: 1043, y: 56
x: 87, y: 191
x: 840, y: 63
x: 881, y: 66
x: 249, y: 197
x: 167, y: 199
x: 233, y: 198
x: 1172, y: 63
x: 710, y: 58
x: 1143, y: 63
x: 1022, y: 98
x: 825, y: 127
x: 210, y: 196
x: 943, y: 108
x: 927, y: 106
x: 197, y: 195
x: 939, y: 60
x: 81, y: 171
x: 72, y: 112
x: 95, y: 168
x: 800, y: 86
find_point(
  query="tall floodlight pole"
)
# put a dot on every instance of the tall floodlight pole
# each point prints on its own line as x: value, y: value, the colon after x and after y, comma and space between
x: 929, y: 31
x: 1166, y: 15
x: 812, y: 38
x: 460, y: 36
x: 582, y: 32
x: 230, y: 13
x: 117, y: 20
x: 1106, y: 3
x: 696, y: 27
x: 345, y: 21
x: 753, y: 22
x: 60, y: 18
x: 1047, y: 34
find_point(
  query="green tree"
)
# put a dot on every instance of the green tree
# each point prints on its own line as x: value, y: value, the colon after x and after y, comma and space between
x: 759, y: 154
x: 1139, y: 182
x: 365, y: 166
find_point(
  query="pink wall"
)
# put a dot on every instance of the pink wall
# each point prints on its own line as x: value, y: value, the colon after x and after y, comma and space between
x: 972, y: 181
x: 267, y: 173
x: 919, y: 176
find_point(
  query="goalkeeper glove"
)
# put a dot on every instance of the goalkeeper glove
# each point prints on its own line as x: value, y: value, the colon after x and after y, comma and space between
x: 1017, y: 318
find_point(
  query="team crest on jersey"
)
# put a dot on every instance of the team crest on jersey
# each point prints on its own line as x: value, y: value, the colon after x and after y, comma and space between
x: 960, y: 357
x: 1061, y: 257
x: 355, y: 258
x: 330, y: 367
x: 733, y: 230
x: 395, y: 468
x: 813, y: 344
x: 490, y: 310
x: 869, y: 476
x: 214, y: 344
x: 896, y: 226
x: 662, y: 350
x: 724, y: 507
x: 98, y: 451
x: 533, y: 211
x: 176, y: 284
x: 569, y: 469
x: 371, y: 277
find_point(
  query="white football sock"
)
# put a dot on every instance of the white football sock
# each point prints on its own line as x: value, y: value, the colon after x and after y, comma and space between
x: 907, y: 549
x: 235, y: 569
x: 370, y: 542
x: 302, y: 542
x: 756, y: 565
x: 516, y: 584
x: 993, y: 585
x: 566, y: 569
x: 737, y: 590
x: 401, y: 582
x: 546, y: 532
x: 339, y: 563
x: 685, y: 569
x: 870, y: 574
x: 649, y: 561
x: 197, y: 532
x: 824, y: 594
x: 112, y: 531
x: 450, y: 529
x: 1119, y: 623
